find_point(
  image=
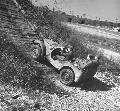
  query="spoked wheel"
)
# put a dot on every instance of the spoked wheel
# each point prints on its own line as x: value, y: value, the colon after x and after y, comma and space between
x: 67, y: 76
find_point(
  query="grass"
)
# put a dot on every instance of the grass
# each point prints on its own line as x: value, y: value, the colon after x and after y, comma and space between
x: 20, y: 76
x: 107, y: 43
x: 80, y: 40
x: 15, y: 65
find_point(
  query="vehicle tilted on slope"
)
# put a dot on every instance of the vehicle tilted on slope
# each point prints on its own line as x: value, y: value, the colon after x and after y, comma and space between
x: 70, y: 70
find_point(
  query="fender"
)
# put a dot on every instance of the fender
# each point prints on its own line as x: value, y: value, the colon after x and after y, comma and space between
x: 77, y: 72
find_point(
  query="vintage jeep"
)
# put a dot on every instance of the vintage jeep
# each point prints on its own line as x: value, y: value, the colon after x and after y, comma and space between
x: 77, y: 70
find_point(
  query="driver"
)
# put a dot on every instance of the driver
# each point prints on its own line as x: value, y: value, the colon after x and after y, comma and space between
x: 68, y: 52
x: 62, y: 53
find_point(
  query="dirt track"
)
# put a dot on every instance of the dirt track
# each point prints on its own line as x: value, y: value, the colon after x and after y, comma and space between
x: 93, y: 31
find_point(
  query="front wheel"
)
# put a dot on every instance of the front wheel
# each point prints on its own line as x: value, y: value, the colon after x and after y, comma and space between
x: 67, y: 76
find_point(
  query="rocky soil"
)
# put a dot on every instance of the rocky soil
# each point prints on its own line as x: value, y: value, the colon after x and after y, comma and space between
x: 27, y: 85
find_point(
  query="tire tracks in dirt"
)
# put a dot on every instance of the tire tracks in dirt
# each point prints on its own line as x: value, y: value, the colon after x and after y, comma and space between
x: 92, y: 31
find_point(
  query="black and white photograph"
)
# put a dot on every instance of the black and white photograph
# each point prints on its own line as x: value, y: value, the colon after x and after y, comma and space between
x: 59, y: 55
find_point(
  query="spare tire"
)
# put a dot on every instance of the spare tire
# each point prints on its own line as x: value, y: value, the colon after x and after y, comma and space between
x: 38, y: 50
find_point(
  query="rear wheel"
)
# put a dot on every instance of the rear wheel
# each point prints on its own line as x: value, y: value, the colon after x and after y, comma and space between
x: 67, y: 76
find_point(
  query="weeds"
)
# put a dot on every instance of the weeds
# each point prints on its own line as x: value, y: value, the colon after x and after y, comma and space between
x: 17, y: 70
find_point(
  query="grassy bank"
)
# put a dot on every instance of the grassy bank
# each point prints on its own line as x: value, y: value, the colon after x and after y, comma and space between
x: 25, y: 86
x: 20, y: 77
x: 49, y: 27
x: 21, y: 80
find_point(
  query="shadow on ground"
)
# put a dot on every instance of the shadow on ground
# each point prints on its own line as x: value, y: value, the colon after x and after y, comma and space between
x: 93, y: 85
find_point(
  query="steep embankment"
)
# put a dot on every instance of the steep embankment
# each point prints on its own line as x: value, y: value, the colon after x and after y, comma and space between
x: 28, y: 85
x: 18, y: 71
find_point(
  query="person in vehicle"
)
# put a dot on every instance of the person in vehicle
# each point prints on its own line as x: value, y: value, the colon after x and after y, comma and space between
x: 68, y: 52
x: 62, y: 53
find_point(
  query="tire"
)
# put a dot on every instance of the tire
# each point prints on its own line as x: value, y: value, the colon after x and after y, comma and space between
x: 35, y: 51
x: 67, y: 76
x: 38, y: 51
x: 43, y: 49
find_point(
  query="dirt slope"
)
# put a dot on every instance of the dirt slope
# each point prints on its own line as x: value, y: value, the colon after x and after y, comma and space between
x: 26, y: 84
x: 17, y: 69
